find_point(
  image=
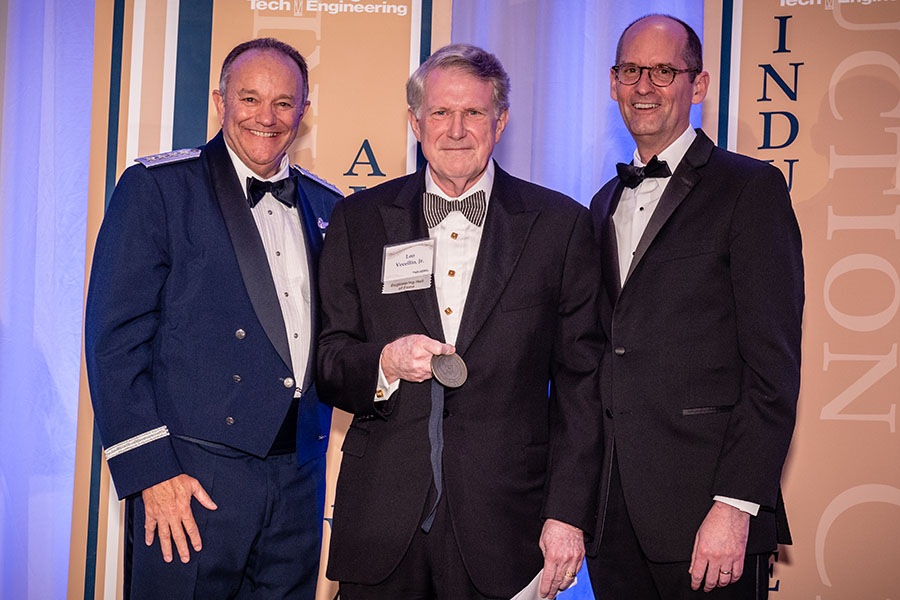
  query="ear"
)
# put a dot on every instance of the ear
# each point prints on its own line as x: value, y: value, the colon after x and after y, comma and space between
x: 612, y: 86
x: 414, y: 123
x: 701, y: 86
x: 303, y: 111
x: 219, y: 101
x: 502, y: 120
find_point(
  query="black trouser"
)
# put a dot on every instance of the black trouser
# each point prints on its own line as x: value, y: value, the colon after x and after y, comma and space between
x: 263, y: 541
x: 621, y: 571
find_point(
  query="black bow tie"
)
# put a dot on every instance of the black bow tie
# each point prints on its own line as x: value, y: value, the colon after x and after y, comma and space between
x: 284, y: 190
x: 436, y: 207
x: 632, y: 176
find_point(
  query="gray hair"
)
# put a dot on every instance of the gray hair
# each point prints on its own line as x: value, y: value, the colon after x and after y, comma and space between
x: 468, y: 58
x: 692, y: 54
x: 270, y: 44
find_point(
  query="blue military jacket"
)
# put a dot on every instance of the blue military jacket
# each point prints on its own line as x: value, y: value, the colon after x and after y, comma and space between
x: 184, y: 333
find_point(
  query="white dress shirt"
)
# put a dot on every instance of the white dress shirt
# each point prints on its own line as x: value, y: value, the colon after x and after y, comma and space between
x: 637, y: 205
x: 633, y: 212
x: 456, y: 247
x: 282, y: 237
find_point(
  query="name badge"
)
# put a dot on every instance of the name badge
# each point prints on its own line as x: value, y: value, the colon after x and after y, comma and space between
x: 407, y: 266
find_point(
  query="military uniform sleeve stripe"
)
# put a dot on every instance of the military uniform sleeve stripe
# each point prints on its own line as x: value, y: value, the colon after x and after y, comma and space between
x: 136, y: 442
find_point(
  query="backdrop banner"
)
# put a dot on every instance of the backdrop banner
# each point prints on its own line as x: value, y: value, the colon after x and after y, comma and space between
x: 155, y: 66
x: 813, y: 86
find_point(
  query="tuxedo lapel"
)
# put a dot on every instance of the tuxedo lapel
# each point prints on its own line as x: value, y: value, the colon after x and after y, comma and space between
x: 248, y: 247
x: 404, y: 221
x: 685, y: 177
x: 506, y: 229
x: 312, y: 236
x: 609, y: 245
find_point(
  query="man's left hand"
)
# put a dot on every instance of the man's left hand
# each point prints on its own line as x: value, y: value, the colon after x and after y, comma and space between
x: 719, y: 547
x: 563, y: 548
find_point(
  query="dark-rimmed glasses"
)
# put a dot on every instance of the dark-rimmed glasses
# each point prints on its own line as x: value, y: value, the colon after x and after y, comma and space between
x: 660, y: 75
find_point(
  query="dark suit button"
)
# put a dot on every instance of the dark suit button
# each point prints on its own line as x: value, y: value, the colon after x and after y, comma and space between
x: 237, y: 378
x: 609, y: 413
x: 229, y: 420
x: 447, y: 413
x: 620, y: 351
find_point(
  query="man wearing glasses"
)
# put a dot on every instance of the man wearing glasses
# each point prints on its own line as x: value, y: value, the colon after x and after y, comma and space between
x: 703, y: 297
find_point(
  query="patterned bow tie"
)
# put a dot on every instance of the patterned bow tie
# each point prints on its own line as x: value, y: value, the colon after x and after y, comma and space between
x: 632, y: 176
x: 436, y: 207
x: 284, y: 190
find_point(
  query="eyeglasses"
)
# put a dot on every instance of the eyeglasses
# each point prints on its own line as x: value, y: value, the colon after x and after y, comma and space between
x: 660, y: 75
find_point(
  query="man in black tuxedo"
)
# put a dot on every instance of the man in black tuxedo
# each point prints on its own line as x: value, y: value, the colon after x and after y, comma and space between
x: 461, y: 492
x: 200, y: 334
x: 703, y: 297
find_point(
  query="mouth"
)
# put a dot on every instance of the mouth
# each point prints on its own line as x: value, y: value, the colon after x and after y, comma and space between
x: 263, y: 134
x: 645, y: 105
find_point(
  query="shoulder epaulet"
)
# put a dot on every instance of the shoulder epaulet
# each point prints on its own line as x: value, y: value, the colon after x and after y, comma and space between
x: 319, y: 180
x: 166, y: 158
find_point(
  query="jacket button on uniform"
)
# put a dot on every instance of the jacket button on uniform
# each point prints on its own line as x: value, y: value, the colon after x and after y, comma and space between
x: 237, y: 378
x: 620, y: 351
x: 240, y: 334
x: 288, y: 382
x: 229, y: 420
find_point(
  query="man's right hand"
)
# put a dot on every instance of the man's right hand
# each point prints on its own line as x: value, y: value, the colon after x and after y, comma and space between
x: 168, y: 508
x: 409, y: 357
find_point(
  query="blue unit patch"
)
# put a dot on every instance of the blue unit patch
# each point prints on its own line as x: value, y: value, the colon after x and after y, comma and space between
x: 166, y: 158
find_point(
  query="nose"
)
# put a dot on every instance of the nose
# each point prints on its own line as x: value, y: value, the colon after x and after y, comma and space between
x: 644, y: 85
x: 265, y: 115
x: 457, y: 128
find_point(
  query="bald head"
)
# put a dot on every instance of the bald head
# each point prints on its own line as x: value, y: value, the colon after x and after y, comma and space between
x: 691, y: 49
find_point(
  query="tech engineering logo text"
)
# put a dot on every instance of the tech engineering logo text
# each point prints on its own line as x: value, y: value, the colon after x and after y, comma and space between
x: 306, y: 7
x: 829, y: 4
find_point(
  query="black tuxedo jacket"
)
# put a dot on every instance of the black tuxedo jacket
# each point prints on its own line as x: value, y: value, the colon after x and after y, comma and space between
x: 700, y: 379
x: 184, y: 333
x: 514, y: 454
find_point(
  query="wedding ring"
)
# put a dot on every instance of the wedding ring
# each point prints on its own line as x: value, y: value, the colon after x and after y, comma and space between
x: 724, y: 572
x: 569, y: 574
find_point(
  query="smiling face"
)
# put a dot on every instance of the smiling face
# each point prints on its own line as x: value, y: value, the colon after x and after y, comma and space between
x: 261, y: 110
x: 457, y: 126
x: 656, y: 116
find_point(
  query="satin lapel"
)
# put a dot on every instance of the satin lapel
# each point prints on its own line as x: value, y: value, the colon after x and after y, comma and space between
x: 313, y: 238
x: 404, y: 221
x: 506, y: 229
x: 248, y: 247
x: 683, y: 181
x: 609, y: 246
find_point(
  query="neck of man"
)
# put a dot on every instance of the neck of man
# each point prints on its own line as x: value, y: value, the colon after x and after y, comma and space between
x: 455, y: 187
x: 650, y: 146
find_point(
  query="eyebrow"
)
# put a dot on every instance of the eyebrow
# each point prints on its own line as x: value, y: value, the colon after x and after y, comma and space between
x: 246, y: 91
x: 444, y: 107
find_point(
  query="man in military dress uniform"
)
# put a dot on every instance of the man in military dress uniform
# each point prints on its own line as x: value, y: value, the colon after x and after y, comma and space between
x: 200, y: 332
